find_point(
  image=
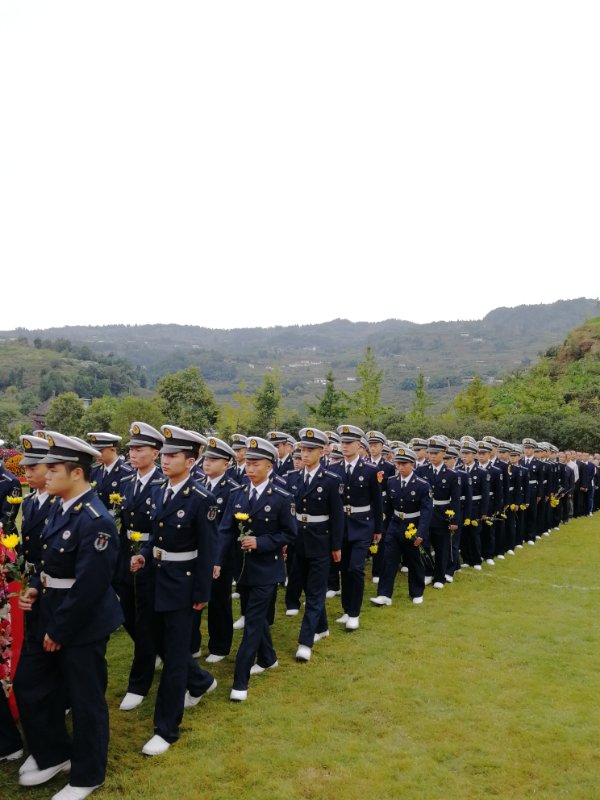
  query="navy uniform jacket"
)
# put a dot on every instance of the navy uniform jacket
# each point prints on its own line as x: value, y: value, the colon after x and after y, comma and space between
x: 515, y: 484
x: 421, y: 469
x: 496, y: 505
x: 9, y: 487
x: 535, y: 479
x: 236, y: 473
x: 323, y: 498
x: 32, y: 528
x: 81, y: 544
x: 446, y: 488
x: 361, y: 490
x: 136, y: 515
x: 185, y: 524
x: 273, y: 522
x: 503, y: 467
x: 546, y: 472
x: 480, y: 491
x: 415, y: 498
x: 524, y: 479
x: 221, y: 492
x: 197, y: 473
x: 287, y: 465
x: 105, y: 485
x: 466, y: 495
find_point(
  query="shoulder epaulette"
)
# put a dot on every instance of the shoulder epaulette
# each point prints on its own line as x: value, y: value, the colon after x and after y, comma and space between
x: 128, y: 477
x: 292, y: 472
x: 199, y: 490
x: 91, y: 511
x: 157, y: 481
x: 332, y: 474
x: 281, y: 491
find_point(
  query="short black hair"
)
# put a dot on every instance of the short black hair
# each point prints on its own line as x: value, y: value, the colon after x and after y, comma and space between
x: 86, y: 468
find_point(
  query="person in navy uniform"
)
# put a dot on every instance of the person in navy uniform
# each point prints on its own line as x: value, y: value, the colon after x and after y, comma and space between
x: 419, y: 447
x: 515, y: 490
x: 197, y: 471
x: 496, y: 502
x: 446, y: 489
x: 320, y: 517
x: 284, y: 445
x: 9, y: 487
x: 408, y: 501
x: 534, y: 469
x: 78, y: 610
x: 265, y: 524
x: 135, y: 597
x: 237, y: 471
x: 180, y: 553
x: 480, y: 498
x: 377, y: 442
x: 217, y: 456
x: 451, y: 457
x: 363, y: 521
x: 107, y: 474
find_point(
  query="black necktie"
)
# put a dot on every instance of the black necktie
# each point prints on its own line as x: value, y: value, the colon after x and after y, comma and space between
x: 36, y: 503
x: 253, y: 497
x: 403, y: 484
x: 138, y: 486
x: 348, y: 470
x: 306, y: 480
x: 168, y: 496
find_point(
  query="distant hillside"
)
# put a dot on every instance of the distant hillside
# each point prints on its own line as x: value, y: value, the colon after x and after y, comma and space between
x: 448, y: 353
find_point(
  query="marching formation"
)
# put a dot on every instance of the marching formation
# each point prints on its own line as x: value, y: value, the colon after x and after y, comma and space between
x: 107, y: 542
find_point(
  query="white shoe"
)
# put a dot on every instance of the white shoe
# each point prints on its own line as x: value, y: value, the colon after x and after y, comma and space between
x: 29, y: 765
x: 330, y: 593
x: 558, y: 528
x: 292, y: 612
x: 157, y: 662
x: 478, y: 567
x: 537, y: 538
x: 131, y: 701
x: 343, y: 619
x: 213, y: 658
x: 428, y: 580
x: 197, y: 654
x: 191, y: 701
x: 303, y: 653
x: 404, y: 570
x: 155, y: 746
x: 375, y: 580
x: 491, y: 562
x: 238, y: 625
x: 381, y: 600
x: 75, y: 792
x: 35, y: 777
x: 256, y: 669
x: 546, y: 533
x: 319, y: 636
x: 510, y: 552
x: 352, y: 624
x: 530, y: 541
x: 519, y: 547
x: 13, y: 757
x: 417, y: 600
x: 463, y: 565
x: 238, y: 695
x: 438, y: 585
x: 501, y: 557
x: 449, y: 578
x: 235, y: 595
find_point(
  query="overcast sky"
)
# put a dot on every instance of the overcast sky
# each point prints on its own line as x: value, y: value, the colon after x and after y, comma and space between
x: 259, y: 163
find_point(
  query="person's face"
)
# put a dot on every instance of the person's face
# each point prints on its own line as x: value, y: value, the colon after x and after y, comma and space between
x: 282, y: 449
x: 142, y: 457
x: 467, y: 457
x: 240, y: 455
x: 514, y: 458
x: 450, y: 462
x: 36, y: 476
x: 375, y: 448
x: 483, y: 456
x: 562, y: 457
x: 350, y: 450
x: 298, y: 461
x: 405, y: 468
x: 258, y: 470
x: 327, y: 450
x: 435, y: 457
x: 214, y: 467
x: 420, y: 453
x: 176, y: 465
x: 311, y: 456
x: 62, y: 483
x: 528, y: 451
x: 107, y: 455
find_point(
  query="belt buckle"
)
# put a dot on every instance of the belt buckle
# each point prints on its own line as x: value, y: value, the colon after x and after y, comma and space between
x: 44, y: 580
x: 303, y: 517
x: 348, y: 509
x: 401, y: 514
x: 158, y: 553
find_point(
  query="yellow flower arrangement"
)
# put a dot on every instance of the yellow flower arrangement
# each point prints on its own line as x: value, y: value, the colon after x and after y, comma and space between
x: 523, y: 506
x: 450, y: 513
x: 373, y: 548
x: 14, y: 501
x: 410, y: 531
x: 513, y: 506
x: 11, y: 541
x: 467, y: 522
x: 135, y: 536
x: 242, y: 517
x: 474, y: 523
x: 115, y: 499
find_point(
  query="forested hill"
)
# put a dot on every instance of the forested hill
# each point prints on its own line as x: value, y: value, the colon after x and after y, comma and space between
x: 447, y: 353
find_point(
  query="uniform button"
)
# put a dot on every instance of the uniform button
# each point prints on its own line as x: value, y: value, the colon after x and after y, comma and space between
x: 276, y: 557
x: 160, y: 524
x: 27, y: 538
x: 43, y: 562
x: 188, y: 573
x: 62, y: 549
x: 45, y: 547
x: 160, y: 538
x: 179, y: 526
x: 158, y: 565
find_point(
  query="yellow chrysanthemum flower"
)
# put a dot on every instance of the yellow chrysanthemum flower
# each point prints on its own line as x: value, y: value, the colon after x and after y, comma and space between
x: 14, y: 501
x: 474, y: 523
x: 241, y: 516
x: 467, y: 522
x: 115, y: 498
x: 450, y: 513
x: 522, y: 506
x: 135, y: 536
x: 373, y: 549
x: 10, y: 542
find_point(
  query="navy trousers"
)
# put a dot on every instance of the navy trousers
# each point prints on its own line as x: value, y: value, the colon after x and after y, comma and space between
x: 10, y: 738
x: 440, y: 541
x: 312, y: 575
x: 354, y: 555
x: 220, y: 615
x: 39, y: 690
x: 256, y: 641
x: 399, y: 549
x: 136, y: 603
x: 293, y: 590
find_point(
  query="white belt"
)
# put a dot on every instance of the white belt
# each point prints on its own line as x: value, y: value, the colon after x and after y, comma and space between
x: 462, y: 497
x: 441, y: 502
x: 48, y: 582
x: 532, y: 481
x: 165, y: 555
x: 356, y: 509
x: 511, y: 488
x: 312, y: 517
x: 476, y: 497
x: 402, y: 515
x: 145, y: 536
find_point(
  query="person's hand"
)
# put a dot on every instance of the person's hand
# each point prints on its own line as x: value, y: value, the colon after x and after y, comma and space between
x: 336, y: 555
x: 418, y: 541
x: 216, y: 572
x: 199, y: 606
x: 50, y: 646
x: 27, y: 598
x: 453, y: 528
x: 376, y: 538
x: 137, y: 562
x: 249, y: 543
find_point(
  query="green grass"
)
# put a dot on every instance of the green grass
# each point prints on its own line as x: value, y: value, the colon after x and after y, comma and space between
x: 489, y: 689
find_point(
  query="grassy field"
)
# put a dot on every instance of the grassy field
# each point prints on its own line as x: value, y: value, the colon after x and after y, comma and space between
x: 489, y: 689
